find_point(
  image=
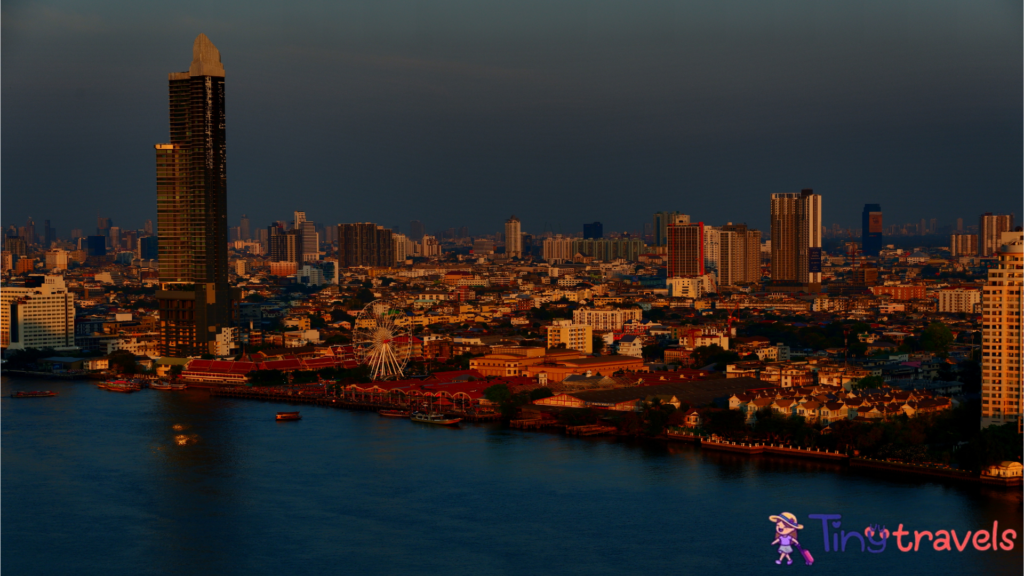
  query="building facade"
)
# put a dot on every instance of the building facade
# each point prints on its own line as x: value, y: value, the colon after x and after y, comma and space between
x: 871, y: 229
x: 606, y: 318
x: 1001, y: 338
x: 963, y: 245
x: 195, y: 301
x: 40, y: 314
x: 990, y: 229
x: 685, y: 249
x: 662, y: 220
x: 957, y: 300
x: 575, y: 336
x: 796, y: 237
x: 513, y: 238
x: 365, y: 244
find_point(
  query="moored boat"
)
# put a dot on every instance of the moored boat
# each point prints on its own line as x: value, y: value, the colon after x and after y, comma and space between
x: 288, y: 416
x: 33, y: 394
x: 125, y: 386
x: 394, y: 413
x: 434, y: 418
x: 168, y: 385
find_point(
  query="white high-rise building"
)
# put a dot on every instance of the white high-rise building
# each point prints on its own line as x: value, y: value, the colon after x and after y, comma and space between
x: 513, y: 238
x: 1001, y: 338
x: 57, y: 259
x: 39, y: 315
x: 558, y: 249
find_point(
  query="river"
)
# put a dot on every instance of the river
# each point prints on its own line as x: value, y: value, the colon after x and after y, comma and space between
x: 159, y: 482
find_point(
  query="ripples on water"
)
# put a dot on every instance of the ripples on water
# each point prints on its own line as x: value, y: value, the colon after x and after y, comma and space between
x: 162, y: 482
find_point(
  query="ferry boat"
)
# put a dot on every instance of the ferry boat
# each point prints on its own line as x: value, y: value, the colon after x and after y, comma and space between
x: 394, y: 413
x: 288, y: 416
x: 33, y: 394
x: 158, y: 385
x: 435, y: 418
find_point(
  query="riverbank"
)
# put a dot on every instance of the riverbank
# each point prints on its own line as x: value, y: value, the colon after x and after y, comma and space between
x: 752, y: 449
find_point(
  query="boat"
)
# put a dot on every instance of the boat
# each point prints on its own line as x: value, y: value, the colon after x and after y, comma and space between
x: 168, y: 385
x: 288, y: 416
x: 434, y: 418
x: 125, y: 386
x: 394, y: 413
x: 33, y: 394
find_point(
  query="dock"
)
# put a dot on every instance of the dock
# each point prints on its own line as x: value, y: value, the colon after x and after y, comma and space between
x: 590, y: 430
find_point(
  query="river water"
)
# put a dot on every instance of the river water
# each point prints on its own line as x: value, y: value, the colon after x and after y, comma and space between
x: 96, y: 482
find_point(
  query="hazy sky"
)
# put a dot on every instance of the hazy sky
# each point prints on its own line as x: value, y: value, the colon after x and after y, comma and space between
x: 462, y: 113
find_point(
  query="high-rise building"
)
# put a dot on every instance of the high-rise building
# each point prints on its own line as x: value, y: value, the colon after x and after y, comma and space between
x: 871, y: 229
x: 662, y: 220
x: 115, y: 239
x: 195, y: 301
x: 49, y: 234
x: 416, y: 230
x: 740, y: 259
x: 16, y: 245
x: 300, y: 217
x: 365, y: 244
x: 243, y: 228
x: 593, y: 231
x: 148, y: 227
x: 103, y: 226
x: 96, y: 246
x: 149, y: 248
x: 40, y: 314
x: 513, y: 238
x: 796, y: 237
x: 963, y: 244
x: 959, y: 224
x: 310, y: 240
x: 685, y: 249
x: 57, y: 259
x: 1001, y: 337
x: 990, y: 228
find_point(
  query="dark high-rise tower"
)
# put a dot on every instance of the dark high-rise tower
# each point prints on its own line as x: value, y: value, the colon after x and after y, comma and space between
x: 871, y: 229
x: 191, y: 178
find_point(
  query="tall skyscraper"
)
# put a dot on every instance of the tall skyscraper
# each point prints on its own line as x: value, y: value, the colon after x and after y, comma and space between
x: 662, y: 220
x: 416, y: 231
x: 243, y: 228
x: 796, y: 237
x: 365, y: 244
x: 49, y: 234
x: 103, y: 226
x: 513, y: 238
x: 990, y: 228
x: 300, y: 217
x: 871, y: 229
x: 740, y: 255
x: 1001, y: 330
x: 310, y: 240
x: 195, y: 301
x: 593, y: 231
x: 959, y: 224
x: 685, y: 248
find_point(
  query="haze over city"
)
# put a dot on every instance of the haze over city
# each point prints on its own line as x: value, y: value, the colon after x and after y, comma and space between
x: 461, y: 113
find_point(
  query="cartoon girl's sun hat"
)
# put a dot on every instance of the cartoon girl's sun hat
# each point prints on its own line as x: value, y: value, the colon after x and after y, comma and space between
x: 787, y: 519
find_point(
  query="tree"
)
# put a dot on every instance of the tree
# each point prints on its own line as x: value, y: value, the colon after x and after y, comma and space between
x: 498, y: 394
x: 652, y: 352
x: 255, y: 297
x: 936, y: 338
x: 867, y: 383
x: 365, y: 296
x: 123, y: 361
x: 538, y: 393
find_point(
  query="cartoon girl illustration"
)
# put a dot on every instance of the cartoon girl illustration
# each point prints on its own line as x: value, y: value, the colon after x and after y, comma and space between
x: 786, y: 527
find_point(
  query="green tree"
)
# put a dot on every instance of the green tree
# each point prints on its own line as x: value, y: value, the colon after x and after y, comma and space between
x: 498, y: 393
x: 538, y: 393
x: 868, y: 382
x: 937, y: 338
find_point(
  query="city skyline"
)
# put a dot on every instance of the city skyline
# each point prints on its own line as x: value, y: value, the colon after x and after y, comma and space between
x: 496, y: 126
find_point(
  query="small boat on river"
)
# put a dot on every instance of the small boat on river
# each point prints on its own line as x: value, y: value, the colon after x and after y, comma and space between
x: 158, y: 385
x: 434, y: 418
x: 285, y: 416
x: 394, y: 413
x: 125, y: 386
x: 33, y: 394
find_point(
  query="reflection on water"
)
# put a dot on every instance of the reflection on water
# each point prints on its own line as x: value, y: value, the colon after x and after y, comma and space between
x: 178, y: 483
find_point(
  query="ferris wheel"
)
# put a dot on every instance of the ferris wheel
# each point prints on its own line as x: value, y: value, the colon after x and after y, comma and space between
x: 379, y: 342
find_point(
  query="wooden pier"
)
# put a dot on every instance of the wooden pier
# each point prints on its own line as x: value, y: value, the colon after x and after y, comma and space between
x: 535, y: 423
x: 590, y: 430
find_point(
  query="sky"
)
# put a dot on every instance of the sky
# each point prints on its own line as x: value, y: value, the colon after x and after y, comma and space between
x: 560, y: 112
